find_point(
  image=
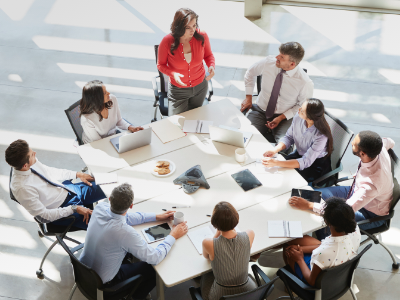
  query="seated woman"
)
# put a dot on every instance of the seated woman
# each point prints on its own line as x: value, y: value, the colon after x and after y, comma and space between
x: 229, y: 252
x: 308, y: 256
x: 100, y: 115
x: 311, y: 134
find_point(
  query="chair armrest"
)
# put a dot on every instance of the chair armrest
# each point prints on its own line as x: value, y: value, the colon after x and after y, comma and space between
x: 327, y: 175
x: 72, y: 217
x: 155, y: 89
x: 210, y: 90
x: 194, y: 293
x: 377, y: 219
x: 133, y: 280
x: 285, y: 273
x: 344, y: 179
x: 372, y: 237
x: 259, y: 273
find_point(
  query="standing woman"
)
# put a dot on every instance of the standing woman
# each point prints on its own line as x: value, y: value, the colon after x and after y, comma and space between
x: 100, y: 114
x: 180, y: 56
x: 311, y: 134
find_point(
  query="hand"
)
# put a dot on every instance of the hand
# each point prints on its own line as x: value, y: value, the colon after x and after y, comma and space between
x: 246, y: 104
x: 212, y: 73
x: 296, y: 253
x: 85, y: 212
x: 168, y: 215
x: 269, y: 153
x: 134, y: 129
x: 270, y: 162
x: 275, y: 122
x: 300, y: 203
x: 177, y: 78
x: 85, y: 178
x: 179, y: 230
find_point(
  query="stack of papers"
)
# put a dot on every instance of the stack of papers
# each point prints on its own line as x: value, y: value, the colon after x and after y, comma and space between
x: 105, y: 178
x: 285, y: 229
x: 167, y: 129
x: 197, y: 126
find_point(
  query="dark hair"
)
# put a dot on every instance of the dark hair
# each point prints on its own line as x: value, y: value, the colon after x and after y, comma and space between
x: 370, y: 143
x: 225, y: 217
x: 93, y: 99
x: 17, y: 154
x: 121, y: 198
x: 315, y: 111
x: 340, y: 215
x: 178, y: 27
x: 294, y: 50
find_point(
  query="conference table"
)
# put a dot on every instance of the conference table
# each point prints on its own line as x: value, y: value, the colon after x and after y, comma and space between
x: 218, y: 163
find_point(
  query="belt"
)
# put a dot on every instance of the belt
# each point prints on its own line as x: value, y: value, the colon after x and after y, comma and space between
x: 232, y: 286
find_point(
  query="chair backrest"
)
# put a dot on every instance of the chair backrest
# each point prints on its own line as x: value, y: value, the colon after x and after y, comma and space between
x: 259, y: 293
x: 396, y: 174
x: 9, y: 186
x: 259, y: 80
x: 342, y: 136
x: 336, y: 281
x: 87, y: 280
x: 163, y: 78
x: 74, y: 119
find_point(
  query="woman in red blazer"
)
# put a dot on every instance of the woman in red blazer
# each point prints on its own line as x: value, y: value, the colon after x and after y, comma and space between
x: 180, y: 56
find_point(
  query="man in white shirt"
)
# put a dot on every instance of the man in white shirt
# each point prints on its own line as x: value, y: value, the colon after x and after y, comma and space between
x: 39, y: 190
x: 284, y: 88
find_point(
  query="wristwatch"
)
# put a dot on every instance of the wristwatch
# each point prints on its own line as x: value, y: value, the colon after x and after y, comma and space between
x: 74, y: 207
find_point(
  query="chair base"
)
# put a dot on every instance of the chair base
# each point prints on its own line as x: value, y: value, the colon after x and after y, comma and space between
x: 40, y: 274
x: 395, y: 264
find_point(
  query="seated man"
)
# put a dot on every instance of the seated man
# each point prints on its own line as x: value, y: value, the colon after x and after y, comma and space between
x: 39, y: 190
x: 372, y: 190
x: 110, y: 237
x: 284, y: 88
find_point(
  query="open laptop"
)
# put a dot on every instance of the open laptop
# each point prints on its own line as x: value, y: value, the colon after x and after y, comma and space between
x: 230, y: 136
x: 132, y: 141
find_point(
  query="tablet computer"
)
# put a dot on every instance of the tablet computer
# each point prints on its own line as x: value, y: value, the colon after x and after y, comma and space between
x: 156, y: 233
x: 246, y: 180
x: 312, y: 196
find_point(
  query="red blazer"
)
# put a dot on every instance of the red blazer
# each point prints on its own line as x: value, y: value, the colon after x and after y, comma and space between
x: 194, y: 72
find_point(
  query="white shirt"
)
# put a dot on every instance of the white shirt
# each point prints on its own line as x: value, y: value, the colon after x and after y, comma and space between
x: 37, y: 196
x: 334, y: 251
x: 296, y: 86
x: 94, y: 130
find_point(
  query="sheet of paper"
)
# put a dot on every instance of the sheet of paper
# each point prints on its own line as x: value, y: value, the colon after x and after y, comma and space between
x: 205, y: 128
x: 105, y: 178
x: 276, y: 229
x: 190, y: 126
x: 167, y: 129
x: 295, y: 229
x: 198, y: 235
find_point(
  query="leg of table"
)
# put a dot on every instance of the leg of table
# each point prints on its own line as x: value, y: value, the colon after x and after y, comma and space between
x: 160, y: 288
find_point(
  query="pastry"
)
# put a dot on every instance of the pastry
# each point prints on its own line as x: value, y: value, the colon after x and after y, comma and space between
x: 164, y: 171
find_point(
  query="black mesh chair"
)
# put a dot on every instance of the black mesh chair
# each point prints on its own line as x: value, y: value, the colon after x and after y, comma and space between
x: 90, y: 283
x: 264, y: 289
x: 160, y: 89
x: 373, y: 234
x: 331, y: 283
x: 49, y: 229
x: 73, y: 115
x: 342, y: 136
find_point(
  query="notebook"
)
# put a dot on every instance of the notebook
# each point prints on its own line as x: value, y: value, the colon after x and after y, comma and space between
x: 167, y: 129
x: 285, y: 229
x: 197, y: 126
x: 312, y: 196
x: 105, y: 178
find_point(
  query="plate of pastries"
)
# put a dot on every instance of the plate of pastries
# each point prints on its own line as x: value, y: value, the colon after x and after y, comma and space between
x: 163, y: 168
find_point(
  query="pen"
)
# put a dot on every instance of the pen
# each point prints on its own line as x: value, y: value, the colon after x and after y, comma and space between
x: 180, y: 206
x: 208, y: 215
x: 164, y: 209
x: 299, y: 192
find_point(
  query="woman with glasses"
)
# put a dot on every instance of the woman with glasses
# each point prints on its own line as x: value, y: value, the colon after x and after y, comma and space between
x: 100, y: 114
x: 180, y: 56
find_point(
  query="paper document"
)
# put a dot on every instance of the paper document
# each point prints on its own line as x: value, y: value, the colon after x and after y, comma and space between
x: 167, y: 129
x: 284, y: 229
x: 197, y: 126
x: 199, y: 234
x: 105, y: 178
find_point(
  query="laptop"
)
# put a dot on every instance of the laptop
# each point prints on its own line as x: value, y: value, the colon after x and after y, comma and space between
x: 230, y: 136
x: 132, y: 141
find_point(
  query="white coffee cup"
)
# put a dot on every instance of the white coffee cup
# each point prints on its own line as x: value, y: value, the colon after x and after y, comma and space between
x: 240, y: 155
x: 179, y: 217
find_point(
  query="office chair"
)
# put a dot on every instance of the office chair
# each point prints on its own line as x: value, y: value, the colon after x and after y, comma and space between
x: 260, y: 293
x: 373, y: 234
x: 161, y: 89
x: 49, y: 229
x: 90, y: 283
x: 342, y: 136
x: 331, y: 283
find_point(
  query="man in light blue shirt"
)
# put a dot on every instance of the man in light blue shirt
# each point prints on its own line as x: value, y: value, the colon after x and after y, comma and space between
x: 110, y: 236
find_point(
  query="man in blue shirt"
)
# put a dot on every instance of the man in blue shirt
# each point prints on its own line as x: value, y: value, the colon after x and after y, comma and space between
x: 110, y: 236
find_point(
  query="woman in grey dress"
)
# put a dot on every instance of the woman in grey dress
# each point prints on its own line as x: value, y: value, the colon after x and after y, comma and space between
x: 229, y: 253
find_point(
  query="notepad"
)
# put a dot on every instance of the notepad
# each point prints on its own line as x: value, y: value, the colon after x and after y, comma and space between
x: 285, y: 229
x: 105, y: 178
x: 197, y: 126
x: 167, y: 129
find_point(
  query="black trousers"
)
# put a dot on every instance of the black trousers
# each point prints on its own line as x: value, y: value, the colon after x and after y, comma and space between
x: 320, y: 167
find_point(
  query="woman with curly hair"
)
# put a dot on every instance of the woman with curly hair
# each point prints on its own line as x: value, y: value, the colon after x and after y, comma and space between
x: 308, y: 256
x: 180, y: 56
